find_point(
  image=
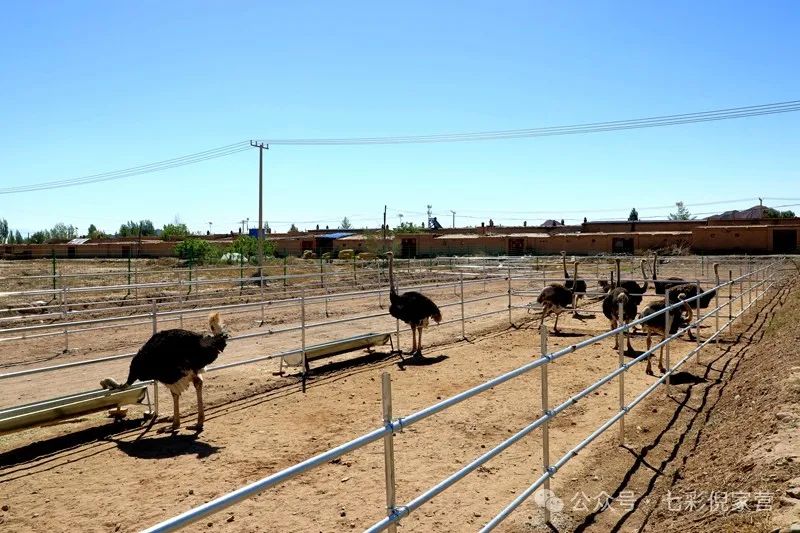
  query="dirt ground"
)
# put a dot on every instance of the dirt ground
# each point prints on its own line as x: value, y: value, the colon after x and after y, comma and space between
x: 91, y: 475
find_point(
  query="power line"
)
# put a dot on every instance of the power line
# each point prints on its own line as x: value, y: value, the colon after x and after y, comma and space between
x: 158, y: 166
x: 592, y: 127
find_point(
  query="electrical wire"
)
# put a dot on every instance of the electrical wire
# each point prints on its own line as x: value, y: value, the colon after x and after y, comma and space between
x: 593, y: 127
x: 158, y: 166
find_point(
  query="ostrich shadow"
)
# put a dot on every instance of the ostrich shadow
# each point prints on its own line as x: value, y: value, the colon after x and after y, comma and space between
x: 50, y: 449
x: 566, y: 334
x: 421, y: 361
x: 171, y: 445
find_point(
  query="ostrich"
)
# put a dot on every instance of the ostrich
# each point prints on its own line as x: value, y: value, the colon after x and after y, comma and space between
x: 411, y: 307
x: 620, y: 295
x: 576, y: 285
x: 657, y: 325
x: 662, y: 286
x: 635, y: 291
x: 176, y: 357
x: 677, y: 286
x: 555, y: 298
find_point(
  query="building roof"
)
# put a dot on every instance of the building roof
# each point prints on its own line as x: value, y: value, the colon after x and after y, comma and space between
x: 459, y: 236
x: 336, y: 235
x: 622, y: 233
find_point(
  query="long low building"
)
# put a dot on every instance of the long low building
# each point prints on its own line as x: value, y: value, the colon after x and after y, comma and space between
x: 765, y: 236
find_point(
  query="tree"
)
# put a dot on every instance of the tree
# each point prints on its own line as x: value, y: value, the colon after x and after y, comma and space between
x: 248, y: 247
x: 18, y: 237
x: 408, y: 227
x: 95, y: 233
x: 176, y: 230
x: 774, y: 213
x: 63, y: 232
x: 40, y: 237
x: 682, y: 213
x: 197, y: 250
x: 3, y: 230
x: 293, y: 229
x: 132, y: 228
x: 634, y: 216
x: 345, y: 224
x: 11, y: 239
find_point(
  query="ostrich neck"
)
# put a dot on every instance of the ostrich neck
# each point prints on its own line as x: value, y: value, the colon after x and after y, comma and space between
x: 392, y: 289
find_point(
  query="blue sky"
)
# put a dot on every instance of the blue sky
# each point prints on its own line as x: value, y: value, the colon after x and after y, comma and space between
x: 97, y: 86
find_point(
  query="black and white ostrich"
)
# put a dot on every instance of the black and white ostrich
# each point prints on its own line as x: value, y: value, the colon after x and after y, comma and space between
x: 657, y: 325
x: 676, y: 286
x: 413, y: 308
x: 576, y: 285
x: 662, y: 286
x: 635, y: 291
x: 176, y: 358
x: 620, y: 295
x: 555, y: 299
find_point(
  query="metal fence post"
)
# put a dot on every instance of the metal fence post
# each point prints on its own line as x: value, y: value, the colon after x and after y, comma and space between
x: 388, y: 448
x: 303, y: 333
x: 620, y: 338
x: 180, y: 303
x: 716, y: 303
x: 730, y: 296
x: 155, y: 383
x: 461, y: 281
x: 697, y: 321
x: 546, y: 425
x: 509, y: 295
x: 64, y: 318
x: 667, y: 328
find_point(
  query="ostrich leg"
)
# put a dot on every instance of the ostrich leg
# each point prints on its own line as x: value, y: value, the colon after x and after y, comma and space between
x: 176, y: 415
x: 413, y: 339
x: 418, y: 353
x: 201, y: 414
x: 649, y: 370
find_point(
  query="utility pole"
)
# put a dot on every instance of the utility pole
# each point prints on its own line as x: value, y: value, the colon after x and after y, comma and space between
x: 454, y: 218
x: 384, y: 228
x: 261, y: 147
x: 209, y: 228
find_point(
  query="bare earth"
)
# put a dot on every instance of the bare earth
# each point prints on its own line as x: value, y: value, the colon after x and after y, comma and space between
x: 718, y: 428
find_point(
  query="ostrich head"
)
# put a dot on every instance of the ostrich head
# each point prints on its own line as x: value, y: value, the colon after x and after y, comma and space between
x: 217, y: 328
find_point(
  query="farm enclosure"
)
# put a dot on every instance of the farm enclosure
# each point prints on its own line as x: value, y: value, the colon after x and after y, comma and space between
x: 275, y: 426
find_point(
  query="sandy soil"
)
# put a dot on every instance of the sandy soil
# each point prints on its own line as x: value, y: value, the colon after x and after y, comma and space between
x: 90, y: 475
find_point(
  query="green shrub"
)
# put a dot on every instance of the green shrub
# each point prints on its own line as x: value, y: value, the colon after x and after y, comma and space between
x: 248, y: 247
x: 197, y: 251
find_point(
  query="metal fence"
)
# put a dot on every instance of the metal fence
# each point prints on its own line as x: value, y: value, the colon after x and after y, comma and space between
x: 753, y: 286
x: 521, y: 280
